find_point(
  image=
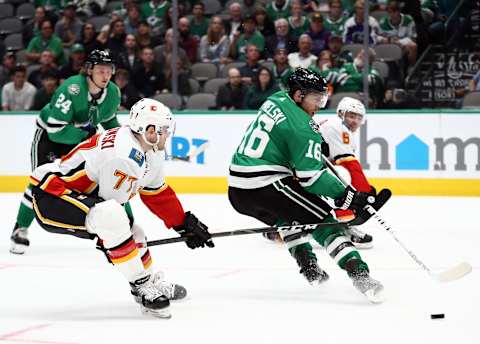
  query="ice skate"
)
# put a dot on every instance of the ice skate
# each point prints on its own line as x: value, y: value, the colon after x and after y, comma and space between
x: 171, y: 290
x: 309, y: 267
x: 360, y: 239
x: 19, y: 240
x: 371, y: 288
x: 151, y: 298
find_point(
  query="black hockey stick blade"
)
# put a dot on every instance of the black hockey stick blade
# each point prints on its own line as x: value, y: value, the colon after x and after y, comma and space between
x: 306, y: 229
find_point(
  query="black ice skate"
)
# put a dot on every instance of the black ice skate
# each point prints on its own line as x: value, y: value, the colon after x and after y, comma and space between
x: 309, y: 267
x: 361, y: 279
x: 19, y: 240
x: 360, y: 239
x: 151, y: 299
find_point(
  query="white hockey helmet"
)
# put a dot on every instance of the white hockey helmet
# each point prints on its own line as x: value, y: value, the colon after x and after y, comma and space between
x: 348, y: 104
x: 150, y: 112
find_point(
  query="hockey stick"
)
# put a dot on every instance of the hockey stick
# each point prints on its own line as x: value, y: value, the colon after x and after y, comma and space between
x: 306, y: 229
x: 193, y: 153
x: 452, y: 274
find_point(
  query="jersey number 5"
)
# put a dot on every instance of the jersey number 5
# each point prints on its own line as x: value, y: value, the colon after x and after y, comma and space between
x: 256, y: 138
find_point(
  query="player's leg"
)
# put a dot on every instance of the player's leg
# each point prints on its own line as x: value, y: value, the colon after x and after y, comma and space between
x: 274, y: 207
x: 359, y: 238
x: 337, y: 244
x: 42, y: 151
x: 89, y: 217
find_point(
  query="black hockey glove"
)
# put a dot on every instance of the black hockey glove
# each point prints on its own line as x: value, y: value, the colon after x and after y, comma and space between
x: 90, y: 129
x: 195, y: 231
x: 354, y: 200
x: 325, y: 149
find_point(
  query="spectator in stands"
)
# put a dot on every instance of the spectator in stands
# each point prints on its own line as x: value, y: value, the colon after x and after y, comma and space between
x: 116, y: 37
x: 144, y: 36
x: 335, y: 20
x: 122, y: 10
x: 163, y: 52
x: 250, y: 70
x: 298, y: 23
x: 128, y: 93
x: 231, y: 95
x: 69, y: 27
x: 155, y: 12
x: 325, y: 67
x: 263, y: 87
x: 281, y: 39
x: 249, y: 36
x: 32, y: 27
x: 278, y: 9
x: 128, y: 58
x: 339, y: 57
x: 46, y: 40
x: 186, y: 40
x: 49, y: 5
x: 88, y: 38
x: 43, y: 94
x: 47, y: 65
x: 400, y: 29
x: 9, y: 62
x: 133, y: 19
x: 148, y: 76
x: 248, y: 7
x: 235, y: 22
x: 214, y: 46
x: 75, y: 62
x: 199, y: 24
x: 281, y: 69
x: 183, y: 76
x: 304, y: 57
x: 318, y: 33
x: 264, y: 24
x: 17, y: 95
x: 474, y: 84
x: 353, y: 32
x: 350, y: 77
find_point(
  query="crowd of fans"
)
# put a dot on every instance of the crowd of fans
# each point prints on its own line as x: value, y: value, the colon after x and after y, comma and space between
x: 270, y: 37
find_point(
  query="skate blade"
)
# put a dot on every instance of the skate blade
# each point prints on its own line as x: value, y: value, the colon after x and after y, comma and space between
x: 18, y: 248
x: 157, y: 313
x: 375, y: 296
x: 364, y: 246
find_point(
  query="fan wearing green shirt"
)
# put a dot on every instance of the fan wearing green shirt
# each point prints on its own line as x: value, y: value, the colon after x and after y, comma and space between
x: 45, y: 40
x: 250, y: 35
x: 81, y: 103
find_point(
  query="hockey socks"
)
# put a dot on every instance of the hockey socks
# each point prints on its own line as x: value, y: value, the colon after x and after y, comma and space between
x: 25, y: 213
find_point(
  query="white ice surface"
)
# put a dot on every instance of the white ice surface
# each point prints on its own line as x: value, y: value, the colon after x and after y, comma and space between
x: 247, y: 290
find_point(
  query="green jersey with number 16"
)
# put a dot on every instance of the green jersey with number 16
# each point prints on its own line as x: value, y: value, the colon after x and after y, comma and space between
x: 282, y: 141
x: 72, y: 108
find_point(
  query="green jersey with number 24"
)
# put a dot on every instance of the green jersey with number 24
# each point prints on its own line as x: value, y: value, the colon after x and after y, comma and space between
x: 283, y: 140
x: 72, y: 108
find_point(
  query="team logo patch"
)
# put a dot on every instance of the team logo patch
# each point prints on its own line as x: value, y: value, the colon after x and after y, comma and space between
x: 137, y: 156
x: 314, y: 125
x: 74, y: 89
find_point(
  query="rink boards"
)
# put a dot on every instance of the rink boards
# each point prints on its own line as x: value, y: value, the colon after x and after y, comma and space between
x: 413, y: 153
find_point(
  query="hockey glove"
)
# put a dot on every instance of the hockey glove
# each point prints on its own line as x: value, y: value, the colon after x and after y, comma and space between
x: 90, y: 129
x: 354, y: 200
x: 195, y: 232
x: 325, y: 149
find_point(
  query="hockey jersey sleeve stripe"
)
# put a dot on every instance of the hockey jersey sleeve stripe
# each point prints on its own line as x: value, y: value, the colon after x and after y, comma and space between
x: 76, y: 203
x: 256, y: 174
x: 80, y: 181
x: 153, y: 191
x: 85, y: 145
x: 67, y: 227
x: 259, y: 168
x: 307, y: 178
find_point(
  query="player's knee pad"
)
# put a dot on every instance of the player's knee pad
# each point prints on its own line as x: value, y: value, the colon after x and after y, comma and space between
x: 109, y: 221
x: 293, y: 237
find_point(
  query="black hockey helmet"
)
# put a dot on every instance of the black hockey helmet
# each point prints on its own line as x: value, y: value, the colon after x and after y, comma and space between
x: 100, y: 57
x: 306, y: 81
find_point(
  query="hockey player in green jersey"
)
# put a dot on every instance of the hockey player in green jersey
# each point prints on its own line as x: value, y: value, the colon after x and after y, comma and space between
x: 76, y: 108
x: 277, y: 176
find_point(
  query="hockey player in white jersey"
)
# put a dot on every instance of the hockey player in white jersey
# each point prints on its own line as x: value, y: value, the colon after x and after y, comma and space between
x: 83, y: 195
x: 341, y: 135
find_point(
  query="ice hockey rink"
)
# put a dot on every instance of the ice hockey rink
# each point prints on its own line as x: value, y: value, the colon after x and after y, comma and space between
x: 247, y: 290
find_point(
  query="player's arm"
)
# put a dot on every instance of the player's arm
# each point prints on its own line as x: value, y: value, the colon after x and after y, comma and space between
x: 342, y: 153
x: 59, y: 124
